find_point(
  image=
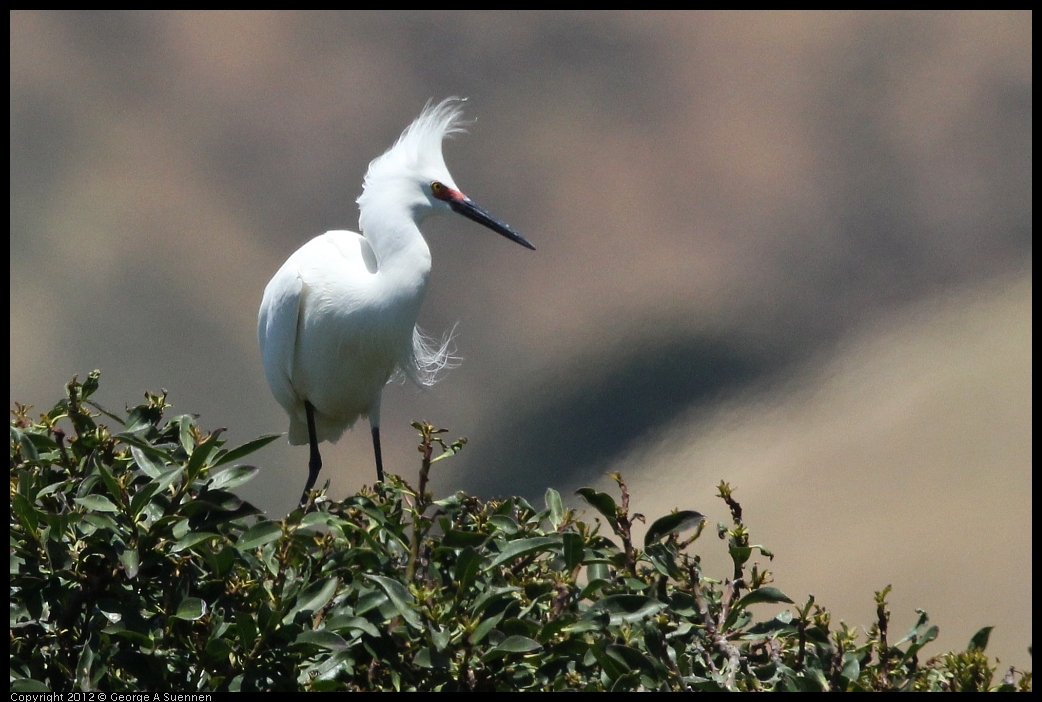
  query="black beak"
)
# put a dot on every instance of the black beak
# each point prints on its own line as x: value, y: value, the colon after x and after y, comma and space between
x: 465, y: 206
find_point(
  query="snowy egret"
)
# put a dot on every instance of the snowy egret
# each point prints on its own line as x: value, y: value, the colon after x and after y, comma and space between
x: 339, y: 317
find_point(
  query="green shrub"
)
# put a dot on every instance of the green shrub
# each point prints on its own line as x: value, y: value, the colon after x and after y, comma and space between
x: 133, y: 567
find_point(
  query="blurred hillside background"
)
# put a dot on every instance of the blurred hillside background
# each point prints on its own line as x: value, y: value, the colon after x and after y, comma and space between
x: 789, y: 251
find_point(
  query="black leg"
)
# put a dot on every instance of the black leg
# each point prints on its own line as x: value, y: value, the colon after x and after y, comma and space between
x: 379, y: 458
x: 315, y: 464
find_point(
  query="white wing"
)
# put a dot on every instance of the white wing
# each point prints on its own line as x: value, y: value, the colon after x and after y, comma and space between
x: 277, y: 327
x: 326, y: 338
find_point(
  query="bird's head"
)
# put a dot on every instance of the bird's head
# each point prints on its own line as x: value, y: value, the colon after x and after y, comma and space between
x: 412, y: 175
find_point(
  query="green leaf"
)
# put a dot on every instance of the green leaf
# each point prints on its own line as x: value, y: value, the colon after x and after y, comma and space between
x: 450, y: 449
x: 441, y: 638
x: 98, y: 520
x: 25, y: 512
x: 612, y: 666
x: 314, y: 519
x: 627, y: 608
x: 740, y: 554
x: 556, y: 507
x: 22, y: 441
x: 341, y: 622
x: 232, y: 477
x: 245, y: 450
x: 482, y: 629
x: 110, y: 482
x: 185, y: 424
x: 663, y: 558
x: 598, y: 571
x: 429, y: 658
x: 247, y: 629
x: 142, y: 497
x: 927, y: 636
x: 979, y: 642
x: 764, y: 594
x: 190, y: 609
x: 83, y: 666
x: 90, y: 385
x: 595, y: 621
x: 627, y: 682
x: 167, y: 478
x: 315, y: 597
x: 526, y: 547
x: 324, y: 639
x: 851, y: 666
x: 518, y: 644
x: 368, y: 601
x: 573, y: 550
x: 460, y: 539
x: 28, y: 685
x: 139, y: 419
x: 258, y: 535
x: 130, y: 560
x: 678, y: 521
x: 218, y: 506
x: 467, y: 565
x: 495, y: 599
x: 631, y: 657
x: 191, y: 539
x: 400, y: 597
x: 593, y: 587
x: 218, y: 648
x: 145, y: 448
x: 504, y: 524
x: 603, y: 503
x: 97, y: 503
x: 197, y: 460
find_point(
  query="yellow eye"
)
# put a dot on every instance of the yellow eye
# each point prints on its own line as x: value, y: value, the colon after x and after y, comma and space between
x: 441, y: 191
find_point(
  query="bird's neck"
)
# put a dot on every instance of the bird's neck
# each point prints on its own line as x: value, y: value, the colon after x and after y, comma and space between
x: 402, y: 257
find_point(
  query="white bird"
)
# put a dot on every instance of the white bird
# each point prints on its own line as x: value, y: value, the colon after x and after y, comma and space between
x: 338, y: 319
